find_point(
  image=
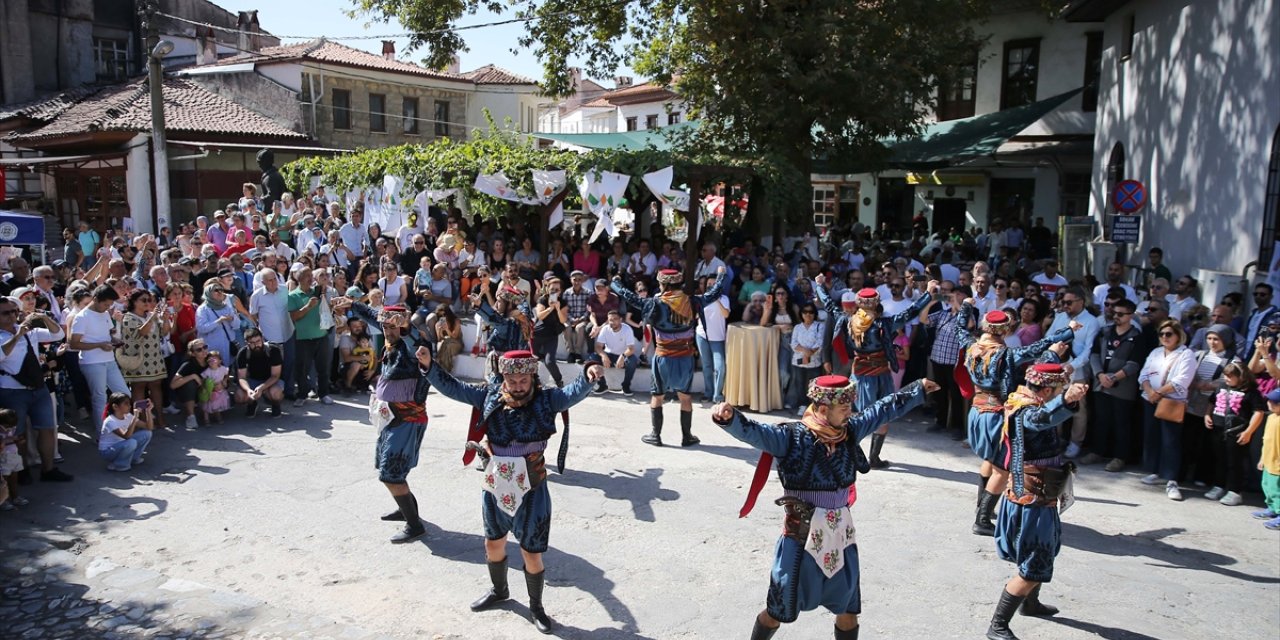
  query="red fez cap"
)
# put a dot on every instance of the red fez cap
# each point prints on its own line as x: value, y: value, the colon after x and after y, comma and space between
x: 669, y: 272
x: 996, y: 317
x: 832, y: 382
x: 518, y: 354
x: 868, y: 293
x: 395, y: 308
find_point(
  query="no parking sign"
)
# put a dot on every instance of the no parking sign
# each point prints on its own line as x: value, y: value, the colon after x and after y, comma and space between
x: 1128, y: 198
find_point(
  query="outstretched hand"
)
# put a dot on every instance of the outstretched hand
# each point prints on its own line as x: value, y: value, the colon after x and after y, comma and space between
x: 722, y: 412
x: 424, y: 357
x: 821, y: 280
x: 1076, y: 392
x: 930, y: 386
x: 720, y: 270
x: 594, y: 373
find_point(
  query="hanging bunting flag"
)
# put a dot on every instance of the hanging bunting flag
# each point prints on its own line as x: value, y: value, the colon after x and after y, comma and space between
x: 547, y: 185
x: 602, y: 192
x: 659, y: 182
x: 392, y: 213
x: 496, y: 185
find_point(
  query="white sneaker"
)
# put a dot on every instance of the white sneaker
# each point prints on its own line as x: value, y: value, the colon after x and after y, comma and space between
x: 1152, y: 480
x: 172, y: 410
x: 192, y: 423
x: 1215, y: 493
x: 1173, y: 491
x: 1232, y: 499
x: 326, y: 400
x: 1073, y: 450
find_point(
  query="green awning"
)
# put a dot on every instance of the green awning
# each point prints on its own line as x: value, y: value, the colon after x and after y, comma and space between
x: 628, y: 140
x: 948, y: 143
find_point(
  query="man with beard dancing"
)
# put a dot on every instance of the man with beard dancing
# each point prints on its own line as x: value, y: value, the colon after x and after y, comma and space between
x: 816, y: 558
x: 868, y: 336
x: 994, y: 368
x: 520, y: 418
x: 672, y: 316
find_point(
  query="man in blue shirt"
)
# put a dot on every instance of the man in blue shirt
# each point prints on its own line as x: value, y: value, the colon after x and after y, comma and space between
x: 1073, y: 302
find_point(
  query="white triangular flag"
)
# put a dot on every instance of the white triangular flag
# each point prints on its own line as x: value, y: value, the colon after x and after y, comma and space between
x: 659, y: 182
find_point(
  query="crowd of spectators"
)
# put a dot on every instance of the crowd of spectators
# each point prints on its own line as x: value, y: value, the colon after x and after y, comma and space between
x: 245, y: 307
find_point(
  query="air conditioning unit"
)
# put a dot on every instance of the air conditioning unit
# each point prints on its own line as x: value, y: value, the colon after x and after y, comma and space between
x: 1215, y: 284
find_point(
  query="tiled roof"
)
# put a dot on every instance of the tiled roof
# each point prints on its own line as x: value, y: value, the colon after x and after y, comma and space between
x: 643, y: 92
x: 335, y: 53
x: 188, y: 108
x: 493, y: 74
x: 48, y: 107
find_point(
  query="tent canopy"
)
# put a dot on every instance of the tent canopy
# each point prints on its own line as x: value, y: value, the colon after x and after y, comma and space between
x: 627, y: 140
x: 18, y: 227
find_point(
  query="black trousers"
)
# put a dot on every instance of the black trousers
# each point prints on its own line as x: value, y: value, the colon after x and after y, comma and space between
x: 314, y: 352
x: 1112, y: 427
x: 947, y: 401
x: 545, y: 349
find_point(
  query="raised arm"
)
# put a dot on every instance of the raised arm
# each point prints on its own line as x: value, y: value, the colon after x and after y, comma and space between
x: 645, y: 305
x: 832, y: 307
x: 901, y: 319
x: 451, y: 388
x: 888, y: 408
x: 713, y: 293
x: 1049, y: 415
x: 963, y: 335
x: 1022, y: 355
x: 573, y: 393
x: 769, y: 438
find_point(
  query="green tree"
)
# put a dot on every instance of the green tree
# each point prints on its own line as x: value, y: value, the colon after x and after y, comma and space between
x: 799, y: 79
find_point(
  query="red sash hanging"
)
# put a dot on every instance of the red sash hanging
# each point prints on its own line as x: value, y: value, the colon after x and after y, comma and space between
x: 475, y: 433
x: 757, y: 483
x: 961, y: 376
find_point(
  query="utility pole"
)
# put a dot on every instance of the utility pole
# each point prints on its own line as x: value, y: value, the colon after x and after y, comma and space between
x: 156, y: 50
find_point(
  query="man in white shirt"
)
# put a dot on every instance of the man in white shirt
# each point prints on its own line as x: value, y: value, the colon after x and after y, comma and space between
x: 1157, y: 290
x: 45, y: 277
x: 984, y: 297
x: 93, y: 335
x: 1049, y: 280
x: 269, y: 308
x: 897, y: 301
x: 643, y: 262
x: 1115, y: 273
x: 17, y: 341
x: 411, y: 228
x: 354, y: 232
x: 616, y: 348
x: 709, y: 265
x: 710, y: 335
x: 1073, y: 305
x: 1183, y: 296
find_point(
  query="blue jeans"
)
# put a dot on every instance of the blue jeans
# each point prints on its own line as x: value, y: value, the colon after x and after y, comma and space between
x: 126, y: 453
x: 1161, y: 444
x: 711, y: 353
x: 36, y: 403
x: 628, y: 366
x: 288, y: 351
x: 784, y: 365
x: 102, y: 377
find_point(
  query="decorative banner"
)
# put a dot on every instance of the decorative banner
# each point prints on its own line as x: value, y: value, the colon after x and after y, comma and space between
x: 315, y: 184
x: 392, y: 213
x: 601, y: 193
x: 496, y: 185
x: 352, y: 198
x: 659, y: 182
x: 548, y: 184
x: 373, y: 206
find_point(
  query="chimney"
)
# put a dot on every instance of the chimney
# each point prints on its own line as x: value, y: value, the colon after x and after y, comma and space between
x: 622, y: 82
x: 455, y: 66
x: 576, y: 74
x: 247, y: 22
x: 206, y: 45
x: 389, y: 49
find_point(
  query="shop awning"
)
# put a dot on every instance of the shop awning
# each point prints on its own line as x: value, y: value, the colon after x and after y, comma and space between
x: 21, y: 227
x: 949, y: 143
x: 629, y: 140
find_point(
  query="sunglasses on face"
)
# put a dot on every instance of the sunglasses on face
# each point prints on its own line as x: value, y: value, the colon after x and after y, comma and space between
x: 1167, y: 334
x: 199, y: 349
x: 1122, y: 314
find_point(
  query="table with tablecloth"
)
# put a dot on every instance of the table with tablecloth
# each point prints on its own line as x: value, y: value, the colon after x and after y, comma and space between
x: 751, y: 363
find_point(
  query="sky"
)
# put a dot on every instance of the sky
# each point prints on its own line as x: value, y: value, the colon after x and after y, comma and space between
x: 490, y: 45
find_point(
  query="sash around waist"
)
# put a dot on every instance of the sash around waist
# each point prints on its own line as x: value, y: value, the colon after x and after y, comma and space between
x: 518, y: 449
x: 833, y: 499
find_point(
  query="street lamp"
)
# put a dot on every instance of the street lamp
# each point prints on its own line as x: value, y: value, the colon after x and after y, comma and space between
x: 160, y: 155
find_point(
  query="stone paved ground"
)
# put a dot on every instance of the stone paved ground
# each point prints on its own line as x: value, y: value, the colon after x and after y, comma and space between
x: 269, y: 529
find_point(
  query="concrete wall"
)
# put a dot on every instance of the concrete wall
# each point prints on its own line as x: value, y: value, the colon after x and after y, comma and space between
x: 1196, y: 108
x: 394, y: 87
x: 641, y: 110
x: 16, y: 68
x: 513, y: 102
x: 258, y: 93
x: 62, y: 45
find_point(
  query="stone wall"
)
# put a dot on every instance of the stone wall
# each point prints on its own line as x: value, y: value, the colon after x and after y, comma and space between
x: 359, y: 136
x: 258, y: 93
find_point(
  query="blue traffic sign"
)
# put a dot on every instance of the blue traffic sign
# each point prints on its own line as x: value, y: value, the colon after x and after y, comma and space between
x: 1130, y: 196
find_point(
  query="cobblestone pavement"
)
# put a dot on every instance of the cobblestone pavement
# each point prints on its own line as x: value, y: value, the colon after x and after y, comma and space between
x: 269, y: 529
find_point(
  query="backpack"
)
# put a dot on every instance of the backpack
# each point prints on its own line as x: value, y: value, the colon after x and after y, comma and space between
x: 31, y: 373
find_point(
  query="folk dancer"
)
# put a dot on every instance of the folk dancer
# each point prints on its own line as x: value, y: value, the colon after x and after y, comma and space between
x: 816, y: 558
x: 1028, y: 529
x: 994, y: 368
x: 861, y: 331
x: 520, y: 418
x: 510, y: 326
x: 671, y: 315
x: 398, y: 409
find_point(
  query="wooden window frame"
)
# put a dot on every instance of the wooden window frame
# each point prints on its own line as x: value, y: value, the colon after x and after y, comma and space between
x: 342, y: 113
x: 1006, y: 99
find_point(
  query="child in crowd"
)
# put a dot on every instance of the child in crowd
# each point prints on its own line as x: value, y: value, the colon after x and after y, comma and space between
x: 901, y: 350
x: 1269, y: 464
x: 422, y: 279
x: 216, y: 378
x: 364, y: 347
x: 125, y: 434
x: 1236, y: 413
x: 11, y: 443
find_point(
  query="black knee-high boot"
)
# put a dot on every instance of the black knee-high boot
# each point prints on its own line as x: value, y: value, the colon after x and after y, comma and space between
x: 761, y: 632
x: 999, y: 629
x: 499, y: 591
x: 982, y: 486
x: 413, y: 528
x: 1033, y: 607
x: 534, y: 582
x: 397, y: 515
x: 851, y: 634
x: 687, y: 439
x: 982, y: 525
x: 877, y: 443
x: 655, y: 437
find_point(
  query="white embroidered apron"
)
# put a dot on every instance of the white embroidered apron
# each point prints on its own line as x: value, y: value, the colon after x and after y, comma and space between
x: 507, y: 478
x: 830, y: 532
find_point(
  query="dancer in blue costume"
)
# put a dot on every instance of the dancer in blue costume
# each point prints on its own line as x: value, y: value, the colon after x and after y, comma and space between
x: 994, y: 369
x: 816, y: 559
x: 673, y: 316
x: 510, y: 326
x: 1028, y: 531
x: 520, y: 418
x: 867, y: 337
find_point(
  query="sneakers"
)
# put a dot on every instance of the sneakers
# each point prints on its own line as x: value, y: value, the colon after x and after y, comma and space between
x: 1215, y: 493
x: 1115, y: 465
x: 1091, y: 458
x: 172, y: 410
x: 1173, y: 491
x: 1073, y: 450
x: 1264, y: 514
x: 326, y: 400
x: 601, y: 388
x: 112, y: 467
x: 299, y: 402
x: 1152, y: 480
x: 626, y: 390
x: 1273, y: 524
x: 1232, y: 499
x: 275, y: 410
x: 20, y: 501
x: 6, y: 506
x: 192, y: 423
x: 56, y: 475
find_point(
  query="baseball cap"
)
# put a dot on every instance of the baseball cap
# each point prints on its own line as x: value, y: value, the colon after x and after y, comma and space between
x: 58, y: 264
x: 1274, y: 395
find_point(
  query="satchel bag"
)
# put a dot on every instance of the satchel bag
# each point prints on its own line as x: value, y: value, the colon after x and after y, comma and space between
x: 30, y: 373
x: 1169, y: 409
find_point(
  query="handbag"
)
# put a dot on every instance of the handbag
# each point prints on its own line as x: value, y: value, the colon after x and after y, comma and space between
x: 1169, y: 409
x: 30, y: 373
x: 129, y: 361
